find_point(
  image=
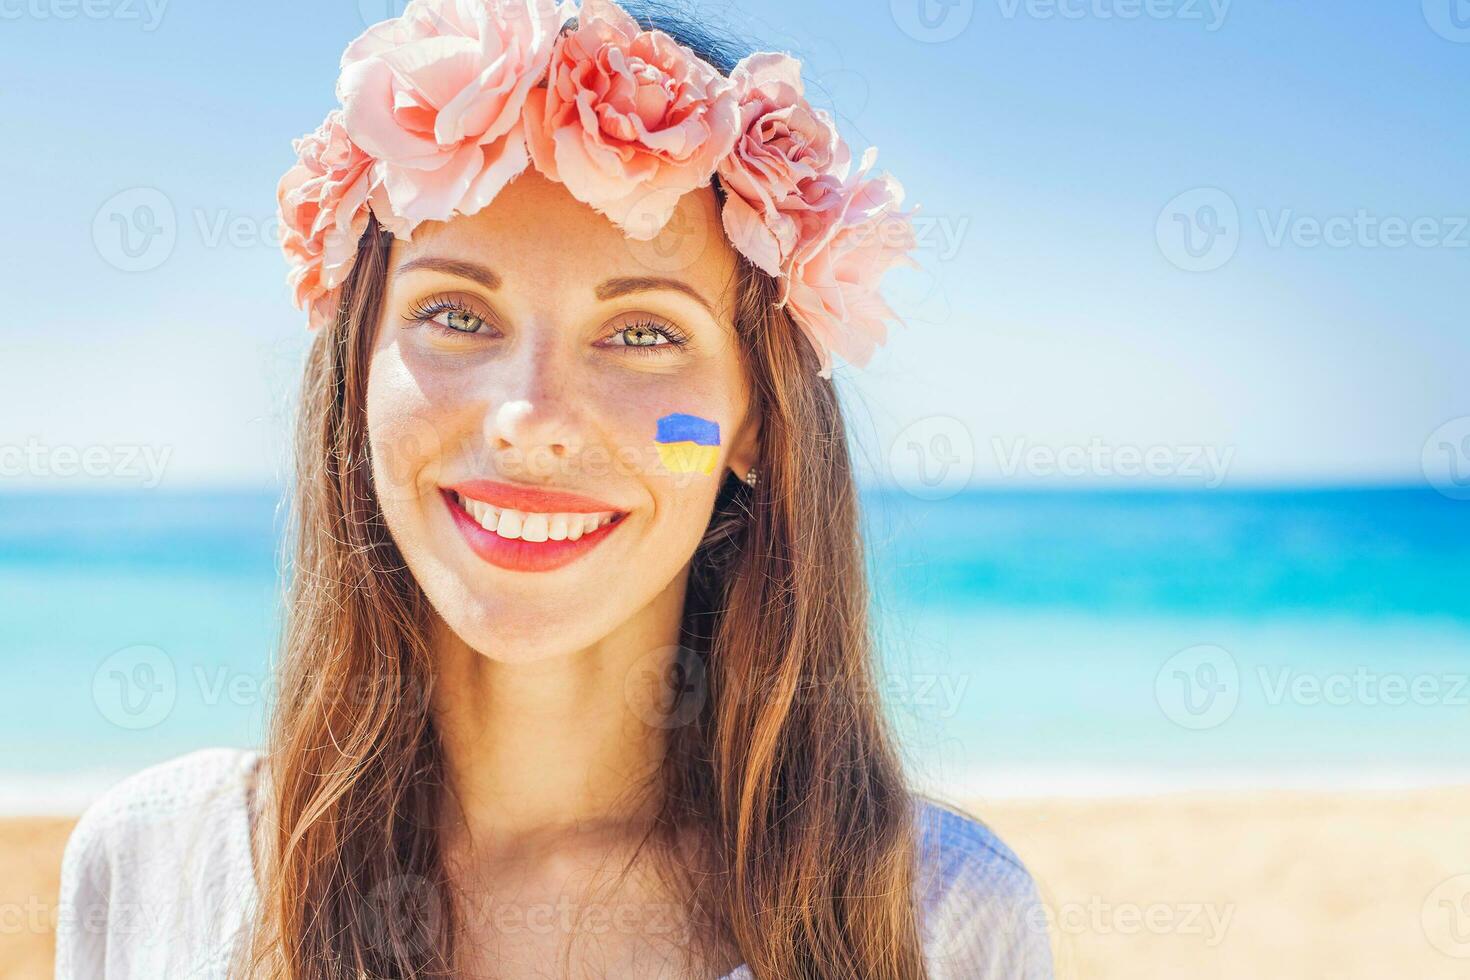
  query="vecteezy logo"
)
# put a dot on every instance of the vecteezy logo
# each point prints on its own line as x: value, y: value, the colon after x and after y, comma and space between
x: 1446, y: 458
x: 671, y: 247
x: 1445, y: 917
x: 934, y: 458
x: 1450, y: 19
x: 667, y: 687
x: 135, y: 687
x: 1198, y: 687
x: 932, y: 21
x: 404, y: 911
x: 135, y: 230
x: 1199, y: 230
x: 405, y: 457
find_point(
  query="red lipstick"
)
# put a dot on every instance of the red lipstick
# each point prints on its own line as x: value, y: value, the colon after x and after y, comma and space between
x: 516, y: 554
x: 514, y: 497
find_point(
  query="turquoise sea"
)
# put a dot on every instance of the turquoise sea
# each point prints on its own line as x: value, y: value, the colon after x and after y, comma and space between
x: 1032, y: 642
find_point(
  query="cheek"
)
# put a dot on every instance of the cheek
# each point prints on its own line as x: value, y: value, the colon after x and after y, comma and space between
x: 675, y: 436
x: 410, y: 431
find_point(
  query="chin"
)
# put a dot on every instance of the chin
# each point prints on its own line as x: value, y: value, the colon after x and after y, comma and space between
x: 516, y: 627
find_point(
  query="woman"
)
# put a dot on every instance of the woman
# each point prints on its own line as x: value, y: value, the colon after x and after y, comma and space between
x: 576, y: 673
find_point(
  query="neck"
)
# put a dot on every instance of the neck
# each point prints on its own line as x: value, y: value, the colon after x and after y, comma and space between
x: 558, y: 745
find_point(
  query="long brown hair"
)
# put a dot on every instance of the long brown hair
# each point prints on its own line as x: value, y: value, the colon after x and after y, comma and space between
x: 787, y: 766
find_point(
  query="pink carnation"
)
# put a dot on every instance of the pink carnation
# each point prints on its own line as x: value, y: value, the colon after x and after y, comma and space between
x: 786, y: 173
x: 629, y: 120
x: 323, y: 211
x: 436, y: 95
x: 833, y: 289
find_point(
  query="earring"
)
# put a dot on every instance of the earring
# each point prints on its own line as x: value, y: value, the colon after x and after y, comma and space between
x: 751, y: 477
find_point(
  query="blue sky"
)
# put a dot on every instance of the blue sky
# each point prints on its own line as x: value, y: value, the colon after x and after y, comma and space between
x: 1060, y: 150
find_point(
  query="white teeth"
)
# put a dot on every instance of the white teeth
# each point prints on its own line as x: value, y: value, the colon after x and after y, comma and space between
x: 487, y: 516
x: 510, y: 524
x: 533, y: 526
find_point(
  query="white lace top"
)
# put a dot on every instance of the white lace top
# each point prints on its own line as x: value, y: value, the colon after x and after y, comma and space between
x: 157, y: 883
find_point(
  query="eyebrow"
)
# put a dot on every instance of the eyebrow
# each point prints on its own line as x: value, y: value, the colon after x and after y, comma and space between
x: 454, y: 267
x: 610, y: 289
x: 643, y: 284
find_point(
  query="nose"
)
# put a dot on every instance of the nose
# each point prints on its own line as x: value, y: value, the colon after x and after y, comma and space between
x: 536, y: 426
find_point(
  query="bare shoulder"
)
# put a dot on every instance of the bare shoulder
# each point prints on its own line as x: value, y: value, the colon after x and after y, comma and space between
x: 983, y: 913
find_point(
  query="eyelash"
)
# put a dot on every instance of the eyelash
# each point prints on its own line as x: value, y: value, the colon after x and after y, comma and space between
x: 425, y: 311
x: 675, y: 337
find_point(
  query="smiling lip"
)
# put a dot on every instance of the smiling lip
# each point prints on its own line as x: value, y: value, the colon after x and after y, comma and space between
x: 512, y: 497
x: 517, y: 554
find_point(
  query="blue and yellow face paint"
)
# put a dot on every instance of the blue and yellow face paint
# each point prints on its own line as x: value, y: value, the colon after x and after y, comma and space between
x: 688, y: 443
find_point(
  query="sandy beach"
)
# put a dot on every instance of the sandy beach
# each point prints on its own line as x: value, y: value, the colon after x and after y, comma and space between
x: 1259, y: 885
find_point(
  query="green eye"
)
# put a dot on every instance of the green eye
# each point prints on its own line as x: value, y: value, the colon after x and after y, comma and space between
x: 447, y: 314
x: 641, y: 335
x: 646, y: 336
x: 461, y: 320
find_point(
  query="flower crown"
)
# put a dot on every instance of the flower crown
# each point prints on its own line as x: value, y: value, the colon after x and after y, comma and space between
x: 444, y: 105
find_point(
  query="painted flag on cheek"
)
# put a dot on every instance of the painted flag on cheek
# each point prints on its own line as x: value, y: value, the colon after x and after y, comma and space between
x: 688, y: 443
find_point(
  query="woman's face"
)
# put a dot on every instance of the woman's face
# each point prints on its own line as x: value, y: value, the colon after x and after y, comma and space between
x: 529, y: 351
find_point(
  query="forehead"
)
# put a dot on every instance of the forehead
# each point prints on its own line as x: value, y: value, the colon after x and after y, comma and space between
x: 540, y: 240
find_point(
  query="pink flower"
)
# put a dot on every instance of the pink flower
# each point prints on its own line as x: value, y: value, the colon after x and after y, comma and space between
x: 832, y: 291
x: 436, y: 95
x: 323, y: 211
x: 629, y: 120
x: 786, y: 173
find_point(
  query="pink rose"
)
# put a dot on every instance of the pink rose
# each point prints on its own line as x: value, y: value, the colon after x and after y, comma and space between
x: 436, y: 95
x: 786, y: 173
x: 629, y: 120
x: 323, y: 211
x: 832, y: 291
